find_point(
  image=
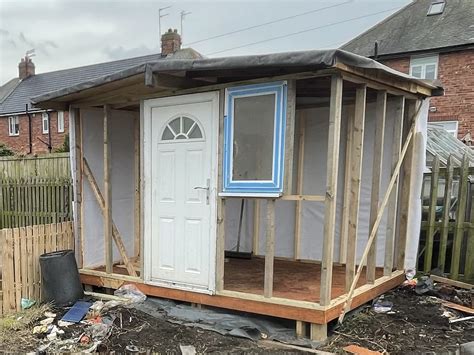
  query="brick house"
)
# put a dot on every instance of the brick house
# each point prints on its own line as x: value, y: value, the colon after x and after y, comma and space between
x: 431, y: 39
x: 28, y: 130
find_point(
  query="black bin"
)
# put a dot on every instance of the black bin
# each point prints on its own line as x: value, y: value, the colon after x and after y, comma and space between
x: 60, y: 278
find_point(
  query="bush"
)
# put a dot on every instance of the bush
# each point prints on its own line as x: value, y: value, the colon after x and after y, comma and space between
x: 5, y: 151
x: 65, y: 147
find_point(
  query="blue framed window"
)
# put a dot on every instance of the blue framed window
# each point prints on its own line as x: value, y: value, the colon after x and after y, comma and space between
x: 254, y: 140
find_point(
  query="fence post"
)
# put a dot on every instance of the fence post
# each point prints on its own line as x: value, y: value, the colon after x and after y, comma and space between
x: 448, y: 186
x: 431, y: 215
x: 460, y: 217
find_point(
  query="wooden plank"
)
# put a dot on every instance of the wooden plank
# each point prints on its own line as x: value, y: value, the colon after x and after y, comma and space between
x: 373, y: 231
x: 458, y: 307
x: 469, y: 262
x: 22, y: 240
x: 79, y: 185
x: 17, y: 260
x: 256, y: 227
x: 454, y: 283
x: 220, y: 243
x: 405, y: 194
x: 357, y: 152
x: 107, y: 195
x: 314, y: 198
x: 460, y: 217
x: 448, y: 187
x: 347, y: 188
x: 32, y: 263
x: 137, y: 198
x: 334, y: 134
x: 380, y: 114
x: 289, y: 136
x: 392, y: 208
x: 270, y: 249
x: 299, y: 184
x: 431, y: 216
x: 115, y: 232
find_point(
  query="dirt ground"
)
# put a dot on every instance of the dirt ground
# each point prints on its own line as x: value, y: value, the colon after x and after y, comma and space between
x: 417, y: 325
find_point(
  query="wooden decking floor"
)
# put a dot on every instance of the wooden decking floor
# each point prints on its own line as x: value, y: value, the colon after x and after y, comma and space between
x: 292, y: 279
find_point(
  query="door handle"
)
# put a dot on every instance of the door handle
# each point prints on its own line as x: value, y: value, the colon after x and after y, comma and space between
x: 207, y: 188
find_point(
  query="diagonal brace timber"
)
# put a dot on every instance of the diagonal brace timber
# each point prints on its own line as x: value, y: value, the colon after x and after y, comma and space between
x: 115, y: 233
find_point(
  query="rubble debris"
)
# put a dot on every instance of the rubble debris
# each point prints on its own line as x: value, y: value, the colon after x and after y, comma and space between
x: 424, y: 285
x: 459, y: 307
x: 187, y: 349
x: 359, y: 350
x: 382, y: 306
x: 77, y: 312
x: 130, y: 292
x: 461, y: 319
x: 27, y: 303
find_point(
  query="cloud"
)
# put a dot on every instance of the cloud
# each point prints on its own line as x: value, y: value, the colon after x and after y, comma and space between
x: 120, y: 52
x: 4, y: 32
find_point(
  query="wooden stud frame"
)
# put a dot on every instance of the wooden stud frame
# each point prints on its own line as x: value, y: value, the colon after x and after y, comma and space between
x: 357, y: 151
x: 107, y: 194
x: 335, y: 108
x: 381, y: 110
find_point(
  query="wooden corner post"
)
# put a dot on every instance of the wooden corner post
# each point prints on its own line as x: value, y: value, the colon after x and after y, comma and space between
x: 78, y: 176
x: 107, y: 194
x: 334, y: 134
x: 290, y: 136
x: 381, y: 110
x: 220, y: 243
x: 270, y: 249
x: 357, y: 152
x: 393, y: 203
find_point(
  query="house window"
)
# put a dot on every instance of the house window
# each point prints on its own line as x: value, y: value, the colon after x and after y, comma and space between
x: 436, y: 8
x: 254, y: 140
x: 60, y: 121
x: 449, y: 126
x: 45, y: 123
x: 181, y: 128
x: 424, y: 67
x: 13, y: 126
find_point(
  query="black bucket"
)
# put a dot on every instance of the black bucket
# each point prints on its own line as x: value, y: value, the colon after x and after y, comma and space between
x: 60, y: 278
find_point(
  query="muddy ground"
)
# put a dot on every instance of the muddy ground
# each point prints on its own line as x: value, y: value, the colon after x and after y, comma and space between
x: 416, y: 326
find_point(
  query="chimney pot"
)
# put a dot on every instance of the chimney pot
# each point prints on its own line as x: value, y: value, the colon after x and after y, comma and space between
x: 170, y: 42
x: 26, y: 68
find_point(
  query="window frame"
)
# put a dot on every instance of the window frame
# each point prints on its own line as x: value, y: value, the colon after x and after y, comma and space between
x: 60, y: 121
x: 255, y: 188
x: 450, y: 131
x: 423, y: 62
x: 11, y: 133
x: 44, y: 117
x: 433, y: 4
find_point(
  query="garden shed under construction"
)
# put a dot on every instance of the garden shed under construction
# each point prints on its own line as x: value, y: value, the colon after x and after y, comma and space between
x: 284, y: 184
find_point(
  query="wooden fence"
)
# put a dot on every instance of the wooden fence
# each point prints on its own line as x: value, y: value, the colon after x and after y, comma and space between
x: 50, y: 165
x: 447, y: 230
x: 35, y: 200
x: 19, y: 260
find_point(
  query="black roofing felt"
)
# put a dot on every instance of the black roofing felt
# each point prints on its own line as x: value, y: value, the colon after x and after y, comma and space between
x: 270, y: 64
x: 42, y: 83
x: 411, y: 29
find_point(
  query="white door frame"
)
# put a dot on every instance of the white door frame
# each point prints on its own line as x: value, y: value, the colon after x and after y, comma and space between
x: 146, y: 107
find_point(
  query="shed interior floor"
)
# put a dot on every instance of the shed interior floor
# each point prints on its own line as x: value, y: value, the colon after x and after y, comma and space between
x: 295, y: 280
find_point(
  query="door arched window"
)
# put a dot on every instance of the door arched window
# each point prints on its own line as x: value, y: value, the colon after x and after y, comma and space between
x: 181, y: 128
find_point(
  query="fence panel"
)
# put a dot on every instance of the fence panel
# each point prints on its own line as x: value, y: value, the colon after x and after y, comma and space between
x: 51, y: 165
x: 19, y: 260
x: 35, y: 200
x: 447, y: 228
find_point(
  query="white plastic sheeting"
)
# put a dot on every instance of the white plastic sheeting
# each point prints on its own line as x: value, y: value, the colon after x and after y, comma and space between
x: 315, y: 158
x: 122, y: 180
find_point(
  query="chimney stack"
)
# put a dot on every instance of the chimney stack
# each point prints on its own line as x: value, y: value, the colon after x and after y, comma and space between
x: 170, y: 42
x: 26, y: 68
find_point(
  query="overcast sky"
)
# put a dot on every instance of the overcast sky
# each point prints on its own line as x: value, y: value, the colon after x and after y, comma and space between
x: 70, y: 33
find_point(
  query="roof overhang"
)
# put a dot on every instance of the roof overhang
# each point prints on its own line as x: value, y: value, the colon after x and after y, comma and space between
x: 179, y: 76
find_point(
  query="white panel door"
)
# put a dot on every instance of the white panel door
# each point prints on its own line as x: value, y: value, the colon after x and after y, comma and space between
x: 182, y: 238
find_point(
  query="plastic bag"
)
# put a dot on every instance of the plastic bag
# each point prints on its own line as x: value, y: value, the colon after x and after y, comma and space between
x: 130, y: 292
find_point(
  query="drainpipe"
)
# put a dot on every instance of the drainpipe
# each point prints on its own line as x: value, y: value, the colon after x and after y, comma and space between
x: 49, y: 132
x: 30, y: 137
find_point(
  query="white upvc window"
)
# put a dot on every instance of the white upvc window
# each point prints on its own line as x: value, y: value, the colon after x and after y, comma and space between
x: 449, y: 126
x: 45, y: 123
x: 60, y: 121
x: 13, y: 126
x: 424, y: 67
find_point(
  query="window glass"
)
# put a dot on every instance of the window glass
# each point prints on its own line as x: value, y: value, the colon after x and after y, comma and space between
x: 13, y: 126
x: 45, y: 123
x: 254, y: 118
x: 449, y: 126
x: 430, y: 71
x: 436, y: 8
x: 416, y: 71
x: 181, y: 128
x: 60, y: 121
